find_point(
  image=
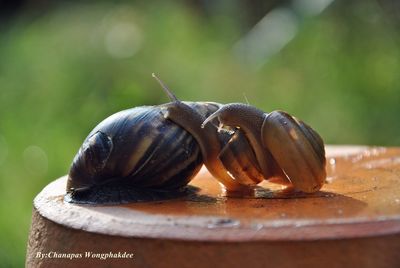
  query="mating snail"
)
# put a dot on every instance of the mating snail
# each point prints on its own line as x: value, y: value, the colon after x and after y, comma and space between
x: 140, y: 154
x: 279, y: 138
x: 287, y: 150
x: 152, y: 152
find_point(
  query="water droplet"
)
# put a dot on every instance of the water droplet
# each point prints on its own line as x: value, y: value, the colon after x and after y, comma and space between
x: 378, y: 150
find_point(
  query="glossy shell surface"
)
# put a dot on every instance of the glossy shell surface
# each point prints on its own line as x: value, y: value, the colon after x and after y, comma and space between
x: 135, y: 155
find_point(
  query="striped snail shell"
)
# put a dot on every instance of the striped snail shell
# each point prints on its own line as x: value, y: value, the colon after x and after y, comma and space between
x: 229, y: 158
x: 286, y: 149
x: 152, y: 152
x: 139, y: 155
x: 133, y: 151
x: 240, y: 161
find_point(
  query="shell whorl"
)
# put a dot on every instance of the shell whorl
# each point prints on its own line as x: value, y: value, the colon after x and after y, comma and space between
x: 135, y: 149
x: 288, y: 151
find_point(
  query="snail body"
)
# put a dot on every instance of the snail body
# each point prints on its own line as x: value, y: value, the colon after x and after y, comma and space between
x: 285, y: 147
x: 215, y: 152
x: 140, y: 154
x: 152, y: 152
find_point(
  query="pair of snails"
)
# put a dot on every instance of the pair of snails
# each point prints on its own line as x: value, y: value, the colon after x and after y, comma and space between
x: 152, y: 152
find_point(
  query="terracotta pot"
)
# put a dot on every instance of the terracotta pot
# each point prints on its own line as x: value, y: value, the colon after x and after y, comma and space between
x: 354, y: 221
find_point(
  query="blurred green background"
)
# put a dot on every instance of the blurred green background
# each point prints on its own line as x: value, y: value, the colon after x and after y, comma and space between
x: 64, y: 66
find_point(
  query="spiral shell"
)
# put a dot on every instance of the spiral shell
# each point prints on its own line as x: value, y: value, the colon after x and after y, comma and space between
x: 239, y: 160
x: 287, y: 150
x: 135, y: 155
x: 297, y: 148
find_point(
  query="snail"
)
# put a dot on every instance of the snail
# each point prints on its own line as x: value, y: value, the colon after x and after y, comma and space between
x: 152, y: 152
x: 279, y: 138
x: 286, y: 150
x: 141, y: 154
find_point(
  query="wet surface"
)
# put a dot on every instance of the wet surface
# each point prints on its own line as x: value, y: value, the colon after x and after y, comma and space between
x: 361, y: 198
x: 361, y: 185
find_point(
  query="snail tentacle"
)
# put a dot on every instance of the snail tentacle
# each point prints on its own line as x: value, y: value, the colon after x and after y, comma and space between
x: 169, y: 93
x: 207, y: 138
x: 152, y: 152
x: 287, y: 150
x: 249, y: 119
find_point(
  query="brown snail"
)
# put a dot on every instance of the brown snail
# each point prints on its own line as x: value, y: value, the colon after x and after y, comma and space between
x: 152, y: 152
x: 140, y: 154
x: 286, y: 150
x: 279, y: 138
